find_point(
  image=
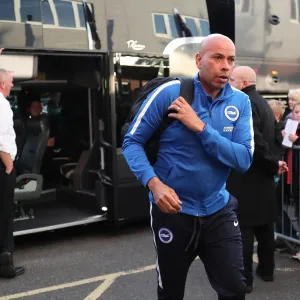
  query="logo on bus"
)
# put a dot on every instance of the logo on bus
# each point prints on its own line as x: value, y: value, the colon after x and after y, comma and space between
x: 135, y: 46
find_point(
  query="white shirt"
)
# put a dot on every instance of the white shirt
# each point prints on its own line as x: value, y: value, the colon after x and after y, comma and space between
x: 7, y: 133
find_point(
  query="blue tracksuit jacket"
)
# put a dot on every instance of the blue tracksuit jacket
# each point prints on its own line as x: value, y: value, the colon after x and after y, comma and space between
x: 195, y: 165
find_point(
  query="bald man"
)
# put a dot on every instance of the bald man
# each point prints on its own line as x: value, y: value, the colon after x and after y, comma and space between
x: 255, y: 189
x: 192, y: 213
x: 242, y: 77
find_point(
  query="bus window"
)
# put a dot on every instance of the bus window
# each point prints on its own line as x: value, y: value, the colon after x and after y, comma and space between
x: 65, y: 24
x: 20, y: 24
x: 81, y: 15
x: 7, y: 10
x: 160, y: 26
x: 173, y: 27
x: 13, y: 101
x: 191, y: 24
x: 204, y: 25
x: 65, y: 13
x: 47, y: 14
x: 30, y: 11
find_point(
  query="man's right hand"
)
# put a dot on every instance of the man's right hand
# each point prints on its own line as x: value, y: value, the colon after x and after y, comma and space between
x: 282, y: 167
x: 9, y: 169
x: 165, y: 197
x: 7, y: 161
x: 1, y: 49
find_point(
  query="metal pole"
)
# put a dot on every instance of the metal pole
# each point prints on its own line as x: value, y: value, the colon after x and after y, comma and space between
x: 282, y: 203
x: 287, y: 238
x: 112, y: 97
x: 90, y: 117
x: 298, y: 190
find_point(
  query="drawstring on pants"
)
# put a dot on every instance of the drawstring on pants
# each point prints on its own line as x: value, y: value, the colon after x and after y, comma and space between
x: 196, y: 233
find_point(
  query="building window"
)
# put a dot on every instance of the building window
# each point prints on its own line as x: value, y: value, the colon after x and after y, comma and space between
x: 160, y: 26
x: 7, y: 10
x: 65, y: 13
x: 295, y: 11
x: 47, y: 13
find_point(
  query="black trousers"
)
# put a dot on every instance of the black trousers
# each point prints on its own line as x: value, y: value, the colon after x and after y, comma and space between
x: 216, y: 239
x: 7, y: 186
x: 265, y: 249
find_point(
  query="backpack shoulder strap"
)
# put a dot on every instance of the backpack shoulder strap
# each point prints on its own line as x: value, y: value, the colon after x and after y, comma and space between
x: 187, y: 92
x: 187, y: 89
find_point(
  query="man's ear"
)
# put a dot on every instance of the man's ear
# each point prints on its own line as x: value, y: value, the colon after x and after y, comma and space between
x: 199, y: 61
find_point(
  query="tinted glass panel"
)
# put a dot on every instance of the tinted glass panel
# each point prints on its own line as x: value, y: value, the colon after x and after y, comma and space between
x: 30, y: 10
x: 190, y: 23
x: 65, y: 13
x: 47, y: 13
x: 81, y: 15
x: 293, y: 10
x: 173, y: 26
x: 160, y: 26
x: 204, y: 28
x: 7, y: 10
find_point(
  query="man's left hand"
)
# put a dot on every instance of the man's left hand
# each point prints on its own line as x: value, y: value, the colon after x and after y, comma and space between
x: 186, y: 115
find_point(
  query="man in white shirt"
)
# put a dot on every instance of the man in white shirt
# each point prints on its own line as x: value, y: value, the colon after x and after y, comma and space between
x: 8, y: 150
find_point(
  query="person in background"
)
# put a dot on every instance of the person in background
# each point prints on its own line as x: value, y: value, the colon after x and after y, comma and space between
x: 256, y: 189
x: 278, y: 107
x: 293, y: 97
x: 293, y: 176
x: 283, y: 223
x: 35, y: 111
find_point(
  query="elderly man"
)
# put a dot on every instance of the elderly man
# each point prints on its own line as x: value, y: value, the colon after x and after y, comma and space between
x: 191, y: 211
x: 255, y: 189
x: 8, y: 152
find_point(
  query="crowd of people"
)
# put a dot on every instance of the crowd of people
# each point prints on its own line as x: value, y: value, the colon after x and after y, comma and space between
x: 288, y: 111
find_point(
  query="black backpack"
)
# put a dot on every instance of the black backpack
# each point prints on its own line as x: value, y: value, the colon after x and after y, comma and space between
x: 186, y: 91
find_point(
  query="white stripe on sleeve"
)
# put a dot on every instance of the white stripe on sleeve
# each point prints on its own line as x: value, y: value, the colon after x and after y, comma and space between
x: 144, y: 110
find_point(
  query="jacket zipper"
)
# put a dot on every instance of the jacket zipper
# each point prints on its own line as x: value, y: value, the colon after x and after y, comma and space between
x: 210, y: 107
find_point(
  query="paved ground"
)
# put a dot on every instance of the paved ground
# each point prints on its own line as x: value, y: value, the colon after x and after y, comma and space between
x: 94, y: 263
